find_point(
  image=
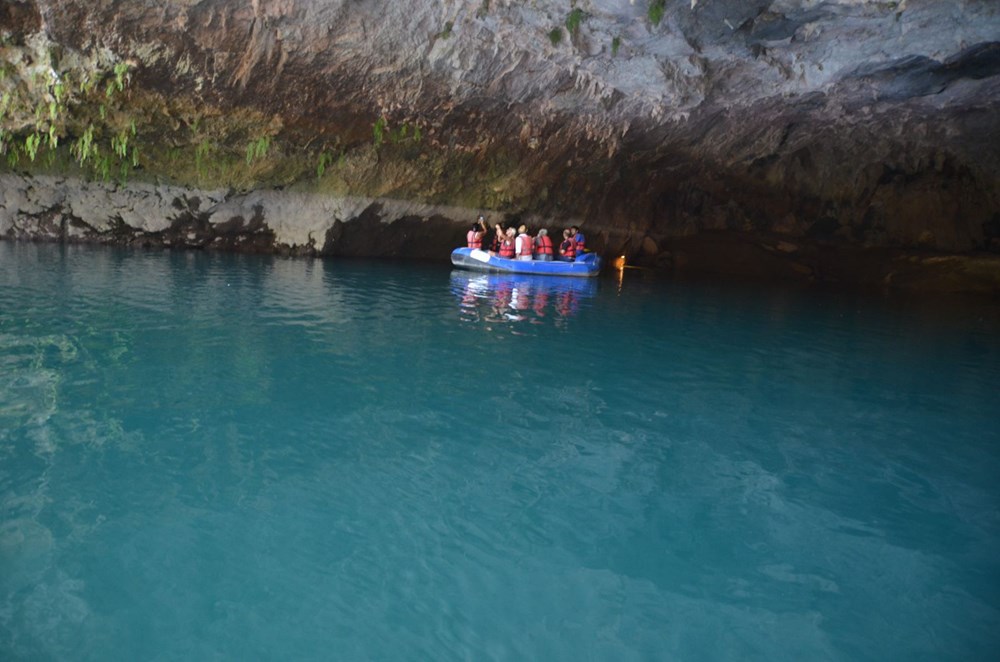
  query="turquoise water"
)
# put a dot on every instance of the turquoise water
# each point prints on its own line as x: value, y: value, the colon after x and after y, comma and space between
x: 233, y: 457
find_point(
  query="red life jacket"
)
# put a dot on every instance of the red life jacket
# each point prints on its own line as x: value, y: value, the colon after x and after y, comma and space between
x: 507, y: 248
x: 579, y: 240
x: 474, y: 239
x: 544, y: 245
x: 525, y: 245
x: 568, y: 249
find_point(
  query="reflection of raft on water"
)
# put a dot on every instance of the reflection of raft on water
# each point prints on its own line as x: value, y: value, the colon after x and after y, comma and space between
x: 588, y: 264
x: 519, y: 293
x: 486, y: 283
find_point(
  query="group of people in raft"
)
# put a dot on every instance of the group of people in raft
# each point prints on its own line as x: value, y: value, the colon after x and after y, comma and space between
x: 522, y: 246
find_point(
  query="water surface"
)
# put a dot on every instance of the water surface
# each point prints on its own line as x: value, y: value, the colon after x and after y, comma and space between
x: 234, y: 457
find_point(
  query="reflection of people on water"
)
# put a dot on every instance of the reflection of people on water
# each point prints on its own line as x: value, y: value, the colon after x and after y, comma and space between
x: 520, y: 297
x: 566, y: 305
x: 515, y: 297
x: 469, y: 295
x: 541, y: 301
x: 474, y: 237
x: 504, y: 291
x: 523, y: 245
x: 543, y: 246
x: 567, y: 249
x: 469, y: 300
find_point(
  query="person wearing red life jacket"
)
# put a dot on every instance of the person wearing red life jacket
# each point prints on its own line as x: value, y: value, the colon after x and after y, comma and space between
x: 507, y: 245
x: 543, y: 246
x: 498, y: 235
x: 523, y: 245
x: 567, y: 249
x: 474, y: 237
x: 578, y: 239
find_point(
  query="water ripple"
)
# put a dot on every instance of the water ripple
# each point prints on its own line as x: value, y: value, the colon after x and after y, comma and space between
x: 241, y: 456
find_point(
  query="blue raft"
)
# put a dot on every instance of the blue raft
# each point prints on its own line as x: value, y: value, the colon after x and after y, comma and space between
x: 585, y: 266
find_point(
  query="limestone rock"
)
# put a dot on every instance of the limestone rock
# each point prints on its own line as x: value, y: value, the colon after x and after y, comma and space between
x: 832, y: 121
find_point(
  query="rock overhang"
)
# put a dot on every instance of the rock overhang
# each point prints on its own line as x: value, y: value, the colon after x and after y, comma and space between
x: 822, y: 119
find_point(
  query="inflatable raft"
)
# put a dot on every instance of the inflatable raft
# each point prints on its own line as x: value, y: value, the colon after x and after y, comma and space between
x: 587, y: 265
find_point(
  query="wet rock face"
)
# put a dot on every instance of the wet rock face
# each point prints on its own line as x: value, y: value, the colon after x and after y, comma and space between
x: 863, y: 123
x: 151, y: 216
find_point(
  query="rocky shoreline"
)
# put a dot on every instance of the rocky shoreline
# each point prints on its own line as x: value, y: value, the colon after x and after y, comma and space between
x: 68, y: 210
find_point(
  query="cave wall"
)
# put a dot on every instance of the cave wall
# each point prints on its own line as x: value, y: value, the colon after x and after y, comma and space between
x: 827, y: 122
x: 264, y: 221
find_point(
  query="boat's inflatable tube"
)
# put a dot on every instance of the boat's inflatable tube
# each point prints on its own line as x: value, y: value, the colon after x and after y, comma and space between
x: 587, y: 265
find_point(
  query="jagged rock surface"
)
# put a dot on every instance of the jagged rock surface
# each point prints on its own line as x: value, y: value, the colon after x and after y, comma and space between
x: 823, y: 122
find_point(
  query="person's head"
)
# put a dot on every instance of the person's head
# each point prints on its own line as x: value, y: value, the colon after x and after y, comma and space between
x: 522, y: 229
x: 475, y: 227
x: 566, y: 233
x: 510, y: 232
x: 542, y: 232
